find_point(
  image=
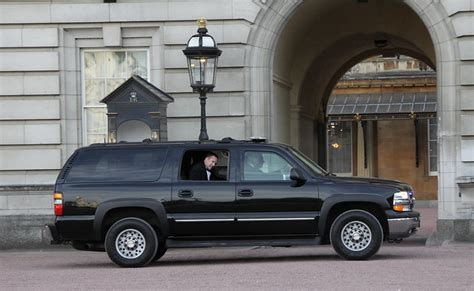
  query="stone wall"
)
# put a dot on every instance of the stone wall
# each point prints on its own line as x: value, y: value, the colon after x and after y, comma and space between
x: 41, y: 120
x: 24, y: 212
x: 25, y: 231
x: 40, y: 72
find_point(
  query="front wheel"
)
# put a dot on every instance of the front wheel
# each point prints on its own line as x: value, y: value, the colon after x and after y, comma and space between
x: 131, y: 242
x: 356, y: 235
x: 160, y: 251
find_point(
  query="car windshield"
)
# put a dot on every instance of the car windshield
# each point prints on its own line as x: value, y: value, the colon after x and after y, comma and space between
x: 315, y: 168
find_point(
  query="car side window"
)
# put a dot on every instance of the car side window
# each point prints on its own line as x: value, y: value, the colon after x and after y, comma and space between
x: 209, y: 164
x: 117, y: 165
x: 265, y: 166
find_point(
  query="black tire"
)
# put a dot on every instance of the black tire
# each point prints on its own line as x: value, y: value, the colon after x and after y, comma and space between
x: 356, y: 235
x: 161, y: 251
x: 131, y: 242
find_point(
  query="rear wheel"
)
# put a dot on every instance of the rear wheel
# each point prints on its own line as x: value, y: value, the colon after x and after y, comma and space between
x: 356, y: 235
x: 131, y: 242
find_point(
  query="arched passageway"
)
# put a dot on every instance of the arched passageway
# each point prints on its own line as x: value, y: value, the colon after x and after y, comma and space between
x: 382, y: 108
x: 319, y: 42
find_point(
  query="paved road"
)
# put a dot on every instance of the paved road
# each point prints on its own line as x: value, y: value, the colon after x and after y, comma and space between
x: 406, y: 266
x: 396, y: 267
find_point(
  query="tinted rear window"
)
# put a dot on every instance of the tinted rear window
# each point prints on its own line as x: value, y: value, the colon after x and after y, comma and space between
x: 113, y: 165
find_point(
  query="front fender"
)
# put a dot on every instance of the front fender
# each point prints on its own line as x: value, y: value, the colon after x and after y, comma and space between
x: 155, y: 206
x: 334, y: 200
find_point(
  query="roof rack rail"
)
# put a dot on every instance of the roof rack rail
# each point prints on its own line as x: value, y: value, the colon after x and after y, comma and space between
x: 227, y: 140
x: 97, y: 144
x: 258, y: 139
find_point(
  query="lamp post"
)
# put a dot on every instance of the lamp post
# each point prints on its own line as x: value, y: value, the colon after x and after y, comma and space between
x: 202, y: 54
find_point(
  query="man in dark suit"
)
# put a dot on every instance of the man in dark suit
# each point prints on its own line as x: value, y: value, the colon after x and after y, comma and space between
x: 203, y: 169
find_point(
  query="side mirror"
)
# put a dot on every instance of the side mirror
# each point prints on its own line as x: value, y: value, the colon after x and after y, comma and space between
x: 296, y: 177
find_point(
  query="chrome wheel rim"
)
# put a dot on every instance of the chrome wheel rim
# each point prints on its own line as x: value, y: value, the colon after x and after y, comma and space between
x: 130, y: 244
x: 356, y: 236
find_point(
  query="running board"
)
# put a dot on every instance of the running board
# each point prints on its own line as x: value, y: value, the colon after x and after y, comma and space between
x: 182, y: 243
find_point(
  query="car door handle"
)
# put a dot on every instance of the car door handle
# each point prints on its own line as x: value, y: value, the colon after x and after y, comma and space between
x: 185, y: 193
x: 245, y: 193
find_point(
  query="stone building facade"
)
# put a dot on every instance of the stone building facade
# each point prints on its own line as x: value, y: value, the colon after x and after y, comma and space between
x: 280, y: 62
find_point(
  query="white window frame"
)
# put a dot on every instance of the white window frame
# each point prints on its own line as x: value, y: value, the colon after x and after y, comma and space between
x: 432, y: 173
x: 83, y: 85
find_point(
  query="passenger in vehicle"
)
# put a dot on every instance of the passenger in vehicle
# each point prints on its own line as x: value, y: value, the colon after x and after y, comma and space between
x: 204, y: 170
x: 253, y: 163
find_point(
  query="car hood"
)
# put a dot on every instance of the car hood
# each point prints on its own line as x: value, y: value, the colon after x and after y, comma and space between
x: 374, y: 181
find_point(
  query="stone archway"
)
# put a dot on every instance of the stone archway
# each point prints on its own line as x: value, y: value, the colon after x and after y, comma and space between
x: 286, y: 41
x: 275, y: 33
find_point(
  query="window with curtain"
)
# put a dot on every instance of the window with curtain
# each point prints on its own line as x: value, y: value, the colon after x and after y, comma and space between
x: 102, y: 72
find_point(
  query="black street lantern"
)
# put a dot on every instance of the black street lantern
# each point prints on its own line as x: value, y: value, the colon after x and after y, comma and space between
x: 202, y: 54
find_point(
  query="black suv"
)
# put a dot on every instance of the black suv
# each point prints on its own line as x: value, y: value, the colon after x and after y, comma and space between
x: 135, y: 200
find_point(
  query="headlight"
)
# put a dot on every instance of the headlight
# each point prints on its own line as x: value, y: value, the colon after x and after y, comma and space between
x: 403, y: 201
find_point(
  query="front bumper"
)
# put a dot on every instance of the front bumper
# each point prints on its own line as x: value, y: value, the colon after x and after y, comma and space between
x: 402, y: 227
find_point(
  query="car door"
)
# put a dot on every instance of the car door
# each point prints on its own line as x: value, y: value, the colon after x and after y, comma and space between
x: 267, y: 203
x: 201, y: 207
